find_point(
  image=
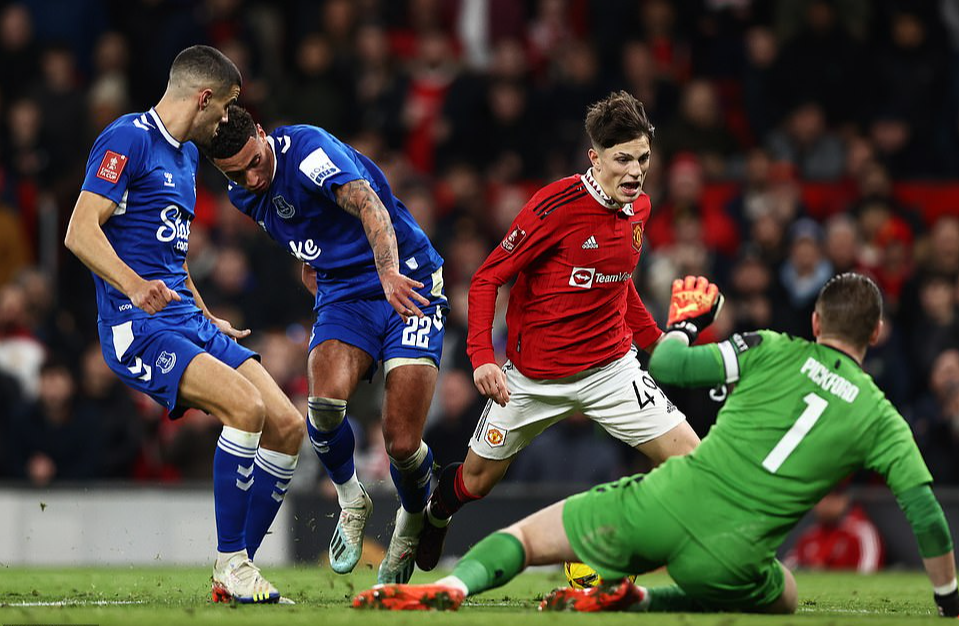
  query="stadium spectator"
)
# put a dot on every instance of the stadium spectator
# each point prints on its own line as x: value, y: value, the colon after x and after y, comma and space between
x: 53, y: 438
x: 804, y: 141
x: 700, y: 128
x: 842, y: 537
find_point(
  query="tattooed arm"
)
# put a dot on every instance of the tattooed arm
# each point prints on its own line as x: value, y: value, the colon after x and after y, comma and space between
x: 359, y: 200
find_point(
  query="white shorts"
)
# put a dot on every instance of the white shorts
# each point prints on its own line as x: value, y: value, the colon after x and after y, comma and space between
x: 621, y: 397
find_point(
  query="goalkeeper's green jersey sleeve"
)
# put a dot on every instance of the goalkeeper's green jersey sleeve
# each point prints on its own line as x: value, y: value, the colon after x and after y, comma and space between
x: 801, y: 416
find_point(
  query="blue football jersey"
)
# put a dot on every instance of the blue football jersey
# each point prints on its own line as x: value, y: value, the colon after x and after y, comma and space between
x: 300, y: 212
x: 152, y: 178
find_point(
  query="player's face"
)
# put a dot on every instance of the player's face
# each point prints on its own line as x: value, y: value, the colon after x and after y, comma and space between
x: 213, y: 112
x: 251, y: 167
x: 621, y: 169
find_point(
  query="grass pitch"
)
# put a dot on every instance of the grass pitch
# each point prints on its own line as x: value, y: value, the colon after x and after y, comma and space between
x: 166, y: 596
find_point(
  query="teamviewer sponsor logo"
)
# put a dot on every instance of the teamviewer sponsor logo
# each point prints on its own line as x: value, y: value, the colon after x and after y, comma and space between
x: 582, y: 277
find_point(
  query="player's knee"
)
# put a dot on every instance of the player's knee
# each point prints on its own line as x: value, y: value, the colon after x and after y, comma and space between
x: 248, y: 412
x: 401, y: 446
x: 326, y: 414
x: 291, y: 429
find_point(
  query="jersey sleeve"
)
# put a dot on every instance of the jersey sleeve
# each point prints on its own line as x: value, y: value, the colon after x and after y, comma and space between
x: 675, y: 363
x: 894, y: 453
x: 325, y: 164
x: 528, y: 238
x: 744, y: 351
x: 645, y: 330
x: 115, y: 159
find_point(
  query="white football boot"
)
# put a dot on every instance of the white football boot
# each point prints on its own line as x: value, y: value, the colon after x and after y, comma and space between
x: 239, y: 580
x: 397, y: 566
x: 346, y: 546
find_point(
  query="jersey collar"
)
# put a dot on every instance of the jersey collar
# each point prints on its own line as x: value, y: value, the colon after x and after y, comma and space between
x: 163, y: 131
x: 592, y: 186
x: 270, y: 140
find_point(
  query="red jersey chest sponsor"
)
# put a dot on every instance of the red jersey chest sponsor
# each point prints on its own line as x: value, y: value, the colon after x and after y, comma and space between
x: 601, y: 252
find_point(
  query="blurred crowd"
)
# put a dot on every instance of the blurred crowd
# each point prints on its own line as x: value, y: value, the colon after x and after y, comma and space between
x: 794, y: 140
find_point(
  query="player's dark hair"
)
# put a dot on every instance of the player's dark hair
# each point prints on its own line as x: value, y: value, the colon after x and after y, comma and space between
x: 232, y: 134
x: 203, y: 64
x: 617, y: 119
x: 849, y: 307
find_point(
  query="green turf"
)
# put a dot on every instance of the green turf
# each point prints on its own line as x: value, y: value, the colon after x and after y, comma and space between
x: 166, y: 596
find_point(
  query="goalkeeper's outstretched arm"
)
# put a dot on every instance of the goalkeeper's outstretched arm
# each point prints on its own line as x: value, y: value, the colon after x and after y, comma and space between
x: 935, y: 545
x: 676, y: 363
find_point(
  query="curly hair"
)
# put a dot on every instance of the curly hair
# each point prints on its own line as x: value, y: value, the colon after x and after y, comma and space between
x: 232, y: 134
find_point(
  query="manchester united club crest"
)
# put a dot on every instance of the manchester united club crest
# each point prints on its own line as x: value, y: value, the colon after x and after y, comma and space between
x: 495, y: 437
x: 637, y: 236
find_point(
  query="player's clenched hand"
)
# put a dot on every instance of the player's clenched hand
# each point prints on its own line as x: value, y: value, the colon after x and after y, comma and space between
x: 401, y: 294
x: 491, y: 382
x: 694, y: 304
x: 152, y: 296
x: 227, y: 328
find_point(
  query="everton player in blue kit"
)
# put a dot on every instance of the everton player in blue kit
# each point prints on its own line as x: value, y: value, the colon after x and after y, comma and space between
x: 379, y: 297
x: 131, y: 227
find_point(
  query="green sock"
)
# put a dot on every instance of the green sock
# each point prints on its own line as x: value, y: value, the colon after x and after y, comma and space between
x: 672, y: 599
x: 492, y: 562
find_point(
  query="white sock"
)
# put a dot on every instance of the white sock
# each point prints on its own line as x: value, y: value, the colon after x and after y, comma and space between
x: 643, y: 605
x: 454, y: 582
x: 408, y: 524
x: 349, y: 492
x: 222, y: 558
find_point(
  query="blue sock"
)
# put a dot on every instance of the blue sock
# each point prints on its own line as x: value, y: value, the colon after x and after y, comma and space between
x: 232, y: 483
x: 272, y: 473
x: 334, y: 448
x: 412, y: 478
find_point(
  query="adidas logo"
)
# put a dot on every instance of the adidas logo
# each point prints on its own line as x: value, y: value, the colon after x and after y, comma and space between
x: 590, y: 244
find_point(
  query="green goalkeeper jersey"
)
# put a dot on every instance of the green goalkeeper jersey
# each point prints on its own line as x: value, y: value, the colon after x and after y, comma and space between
x: 800, y: 418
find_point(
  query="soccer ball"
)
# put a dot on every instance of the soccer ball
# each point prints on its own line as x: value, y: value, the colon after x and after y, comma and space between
x: 582, y: 576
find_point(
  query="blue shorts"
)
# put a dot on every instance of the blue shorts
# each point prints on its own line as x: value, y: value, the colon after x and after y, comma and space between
x: 151, y: 354
x: 372, y: 325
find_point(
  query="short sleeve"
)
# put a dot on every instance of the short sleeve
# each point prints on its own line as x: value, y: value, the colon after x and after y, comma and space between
x: 326, y: 164
x: 115, y: 159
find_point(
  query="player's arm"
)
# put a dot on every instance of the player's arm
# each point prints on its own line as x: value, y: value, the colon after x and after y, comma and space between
x: 528, y: 238
x: 359, y: 200
x: 646, y: 333
x: 220, y: 323
x: 85, y: 238
x: 935, y: 545
x: 308, y: 277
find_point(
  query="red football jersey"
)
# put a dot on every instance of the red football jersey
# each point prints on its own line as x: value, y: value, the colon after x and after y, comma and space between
x: 574, y: 305
x: 853, y: 544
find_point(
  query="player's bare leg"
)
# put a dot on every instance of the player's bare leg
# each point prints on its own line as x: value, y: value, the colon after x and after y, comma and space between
x: 211, y: 385
x: 335, y: 369
x: 409, y: 391
x: 459, y: 484
x: 678, y: 441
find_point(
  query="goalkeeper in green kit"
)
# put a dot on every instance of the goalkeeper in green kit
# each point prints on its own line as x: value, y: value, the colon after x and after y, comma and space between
x: 801, y: 417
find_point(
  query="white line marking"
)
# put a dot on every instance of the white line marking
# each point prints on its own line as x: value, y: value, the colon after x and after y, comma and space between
x: 74, y: 603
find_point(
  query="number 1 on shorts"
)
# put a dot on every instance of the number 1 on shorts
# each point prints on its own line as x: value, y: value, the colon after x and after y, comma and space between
x: 814, y: 408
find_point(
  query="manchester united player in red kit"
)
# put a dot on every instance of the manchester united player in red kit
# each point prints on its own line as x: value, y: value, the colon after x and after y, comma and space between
x: 573, y: 318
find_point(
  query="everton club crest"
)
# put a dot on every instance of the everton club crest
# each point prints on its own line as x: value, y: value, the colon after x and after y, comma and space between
x: 283, y: 208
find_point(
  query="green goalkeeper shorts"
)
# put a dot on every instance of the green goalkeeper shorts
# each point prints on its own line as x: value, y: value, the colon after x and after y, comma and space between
x: 619, y: 529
